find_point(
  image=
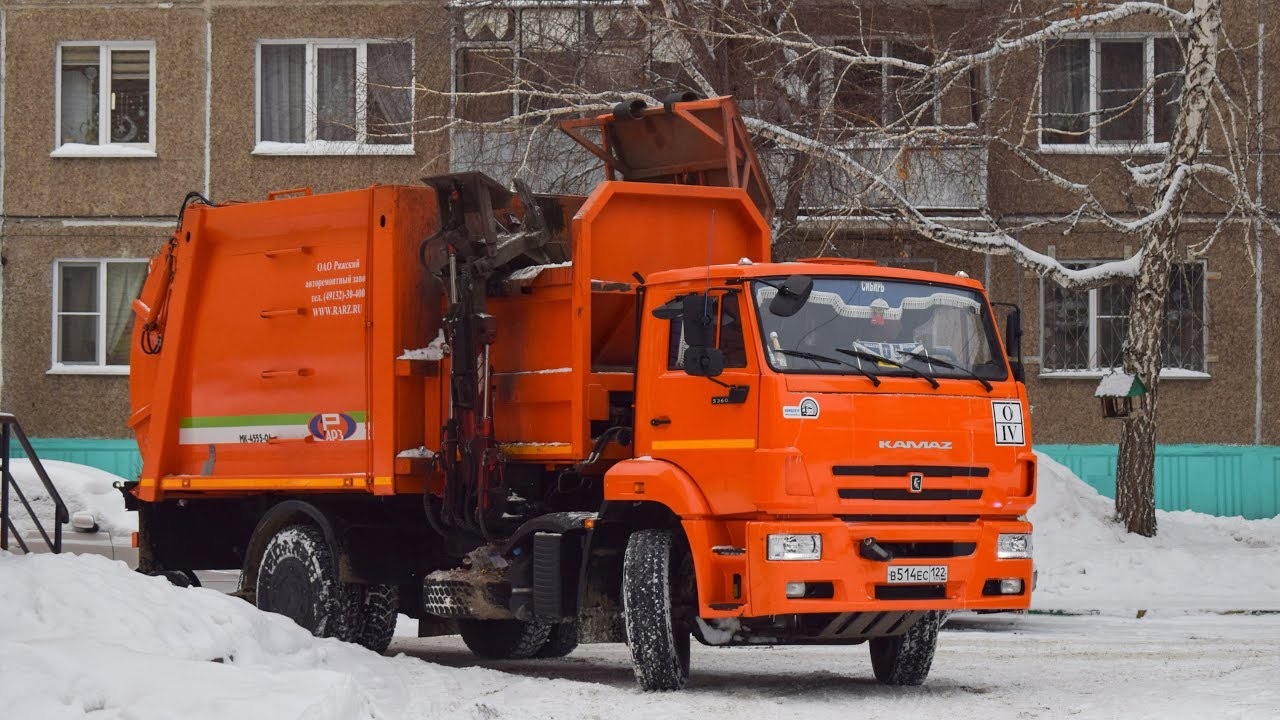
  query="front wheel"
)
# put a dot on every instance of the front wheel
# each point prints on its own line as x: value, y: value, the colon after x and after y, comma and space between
x: 905, y: 659
x: 657, y: 589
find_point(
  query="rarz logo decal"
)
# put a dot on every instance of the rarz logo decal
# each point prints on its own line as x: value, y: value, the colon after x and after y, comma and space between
x: 332, y: 426
x: 914, y: 445
x: 807, y: 409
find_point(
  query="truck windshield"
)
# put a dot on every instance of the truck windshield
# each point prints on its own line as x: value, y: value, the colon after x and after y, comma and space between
x: 909, y: 323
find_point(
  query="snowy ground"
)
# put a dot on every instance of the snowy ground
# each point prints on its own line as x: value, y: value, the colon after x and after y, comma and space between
x: 84, y: 636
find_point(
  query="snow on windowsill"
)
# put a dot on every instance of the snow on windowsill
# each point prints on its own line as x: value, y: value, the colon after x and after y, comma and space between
x: 1165, y: 374
x: 83, y: 150
x: 88, y: 370
x: 1108, y: 149
x: 328, y: 147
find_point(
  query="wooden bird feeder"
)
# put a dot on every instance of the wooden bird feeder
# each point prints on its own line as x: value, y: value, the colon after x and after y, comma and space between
x: 1117, y: 391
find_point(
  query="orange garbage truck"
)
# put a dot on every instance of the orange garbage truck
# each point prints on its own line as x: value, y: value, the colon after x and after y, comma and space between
x: 538, y: 421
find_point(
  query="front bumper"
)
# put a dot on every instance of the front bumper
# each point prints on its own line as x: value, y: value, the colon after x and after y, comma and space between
x: 735, y: 579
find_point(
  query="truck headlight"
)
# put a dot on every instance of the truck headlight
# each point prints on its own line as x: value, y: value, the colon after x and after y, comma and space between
x: 1013, y: 545
x: 795, y: 547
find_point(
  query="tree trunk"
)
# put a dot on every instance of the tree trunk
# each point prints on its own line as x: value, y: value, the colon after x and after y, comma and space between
x: 1135, y: 463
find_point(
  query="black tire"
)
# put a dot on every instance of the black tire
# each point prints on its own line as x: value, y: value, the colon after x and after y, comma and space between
x: 905, y: 659
x: 562, y: 640
x: 503, y: 639
x: 179, y: 578
x: 657, y: 579
x: 378, y: 615
x: 299, y: 579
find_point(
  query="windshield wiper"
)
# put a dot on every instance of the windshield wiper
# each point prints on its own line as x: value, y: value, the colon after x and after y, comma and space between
x: 823, y: 358
x: 938, y: 361
x: 872, y: 357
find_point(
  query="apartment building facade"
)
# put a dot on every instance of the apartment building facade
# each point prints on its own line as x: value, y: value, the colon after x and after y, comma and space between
x: 113, y: 111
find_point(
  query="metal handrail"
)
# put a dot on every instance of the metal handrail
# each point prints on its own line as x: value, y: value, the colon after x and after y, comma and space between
x: 10, y: 428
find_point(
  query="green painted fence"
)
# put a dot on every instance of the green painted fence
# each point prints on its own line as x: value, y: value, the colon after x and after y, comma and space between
x: 119, y: 457
x: 1216, y: 479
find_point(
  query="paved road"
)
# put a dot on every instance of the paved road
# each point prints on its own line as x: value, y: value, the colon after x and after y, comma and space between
x: 988, y: 666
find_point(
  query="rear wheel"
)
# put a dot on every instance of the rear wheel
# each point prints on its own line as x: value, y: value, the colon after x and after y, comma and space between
x: 562, y: 640
x: 905, y: 659
x: 378, y: 615
x: 299, y: 579
x: 504, y: 639
x: 657, y: 600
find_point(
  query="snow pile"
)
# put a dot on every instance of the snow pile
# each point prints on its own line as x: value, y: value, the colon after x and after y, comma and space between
x: 1087, y: 561
x: 83, y: 634
x: 81, y: 487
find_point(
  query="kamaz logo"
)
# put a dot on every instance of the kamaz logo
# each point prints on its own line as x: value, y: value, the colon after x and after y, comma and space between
x: 914, y: 445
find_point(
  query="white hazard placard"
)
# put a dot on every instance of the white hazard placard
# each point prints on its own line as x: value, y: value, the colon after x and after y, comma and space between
x: 1007, y: 416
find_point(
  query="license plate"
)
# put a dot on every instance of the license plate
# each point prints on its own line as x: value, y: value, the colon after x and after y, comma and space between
x: 916, y: 574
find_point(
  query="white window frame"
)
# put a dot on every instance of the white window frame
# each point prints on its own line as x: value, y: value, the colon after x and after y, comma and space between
x: 100, y: 367
x: 882, y: 47
x: 1095, y: 370
x: 516, y: 45
x: 104, y: 148
x: 312, y: 145
x: 1094, y: 146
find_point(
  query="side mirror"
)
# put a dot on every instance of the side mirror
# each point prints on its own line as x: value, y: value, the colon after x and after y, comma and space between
x: 1013, y: 343
x: 84, y: 521
x: 792, y: 296
x: 1019, y: 372
x: 702, y: 361
x: 670, y: 310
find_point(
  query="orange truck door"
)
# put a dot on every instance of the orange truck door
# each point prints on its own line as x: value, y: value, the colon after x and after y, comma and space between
x: 698, y: 424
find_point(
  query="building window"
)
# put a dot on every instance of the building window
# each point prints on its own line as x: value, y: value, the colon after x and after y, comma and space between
x: 92, y: 313
x: 515, y: 60
x: 321, y: 97
x: 880, y: 95
x: 1121, y: 91
x: 1085, y: 330
x: 105, y: 99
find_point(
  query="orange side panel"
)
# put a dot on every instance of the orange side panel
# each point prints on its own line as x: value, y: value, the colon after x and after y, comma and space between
x: 284, y: 320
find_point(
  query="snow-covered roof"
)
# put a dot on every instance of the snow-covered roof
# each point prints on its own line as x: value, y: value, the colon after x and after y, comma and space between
x: 1119, y: 384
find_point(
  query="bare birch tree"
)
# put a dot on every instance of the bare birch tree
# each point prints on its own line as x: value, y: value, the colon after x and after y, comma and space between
x: 844, y: 98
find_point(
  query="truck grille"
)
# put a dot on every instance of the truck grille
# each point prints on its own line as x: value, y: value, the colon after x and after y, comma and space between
x: 904, y: 470
x: 911, y: 592
x: 881, y: 518
x: 920, y: 550
x: 901, y: 494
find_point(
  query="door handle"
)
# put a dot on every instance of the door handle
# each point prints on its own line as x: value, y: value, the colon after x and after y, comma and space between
x: 661, y: 420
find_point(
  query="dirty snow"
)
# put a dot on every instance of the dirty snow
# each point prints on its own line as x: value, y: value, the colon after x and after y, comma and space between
x: 84, y: 636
